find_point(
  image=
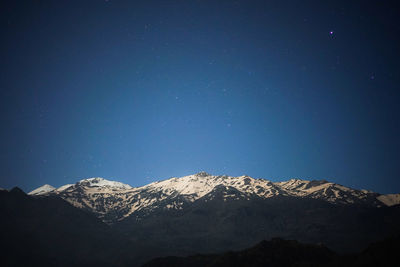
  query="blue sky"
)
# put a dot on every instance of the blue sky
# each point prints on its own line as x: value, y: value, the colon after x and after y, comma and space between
x: 139, y: 92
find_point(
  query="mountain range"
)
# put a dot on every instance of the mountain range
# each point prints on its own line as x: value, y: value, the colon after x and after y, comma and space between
x: 199, y: 213
x: 113, y: 201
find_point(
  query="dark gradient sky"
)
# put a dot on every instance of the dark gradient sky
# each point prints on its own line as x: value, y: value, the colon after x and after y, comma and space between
x: 139, y: 92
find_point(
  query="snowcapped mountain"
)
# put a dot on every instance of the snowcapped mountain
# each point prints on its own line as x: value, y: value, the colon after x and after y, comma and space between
x: 328, y: 191
x: 90, y: 182
x: 113, y: 201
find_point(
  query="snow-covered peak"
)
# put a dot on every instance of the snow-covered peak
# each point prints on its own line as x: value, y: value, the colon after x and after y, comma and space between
x: 200, y: 184
x: 101, y: 182
x: 195, y: 186
x: 322, y: 189
x: 92, y: 183
x: 44, y: 189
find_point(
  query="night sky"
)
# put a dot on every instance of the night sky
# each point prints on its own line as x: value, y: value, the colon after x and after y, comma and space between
x: 139, y: 91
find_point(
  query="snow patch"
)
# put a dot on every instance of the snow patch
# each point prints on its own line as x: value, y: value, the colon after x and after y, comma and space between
x: 390, y: 199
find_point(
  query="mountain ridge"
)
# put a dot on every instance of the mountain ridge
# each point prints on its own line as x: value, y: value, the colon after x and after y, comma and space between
x: 48, y: 231
x: 114, y: 201
x: 203, y: 213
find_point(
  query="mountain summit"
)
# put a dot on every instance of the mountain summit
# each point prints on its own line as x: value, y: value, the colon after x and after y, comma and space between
x: 101, y: 182
x: 44, y: 189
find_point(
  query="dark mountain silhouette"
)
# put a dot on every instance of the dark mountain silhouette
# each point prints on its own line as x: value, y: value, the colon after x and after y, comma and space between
x: 48, y: 231
x: 274, y: 253
x: 288, y: 253
x: 383, y: 253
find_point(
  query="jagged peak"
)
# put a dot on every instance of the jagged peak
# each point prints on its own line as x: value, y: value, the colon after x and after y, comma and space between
x: 93, y: 179
x: 17, y: 191
x: 101, y: 182
x: 293, y: 181
x: 202, y: 174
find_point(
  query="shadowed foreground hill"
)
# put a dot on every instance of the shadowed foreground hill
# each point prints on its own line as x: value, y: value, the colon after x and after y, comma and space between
x: 384, y: 253
x: 279, y: 252
x: 51, y: 232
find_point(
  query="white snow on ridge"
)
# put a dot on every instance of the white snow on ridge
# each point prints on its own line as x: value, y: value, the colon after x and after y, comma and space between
x: 390, y: 199
x: 193, y: 187
x: 64, y: 187
x: 104, y: 197
x: 321, y: 189
x: 42, y: 190
x: 293, y: 184
x: 198, y: 185
x: 101, y: 182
